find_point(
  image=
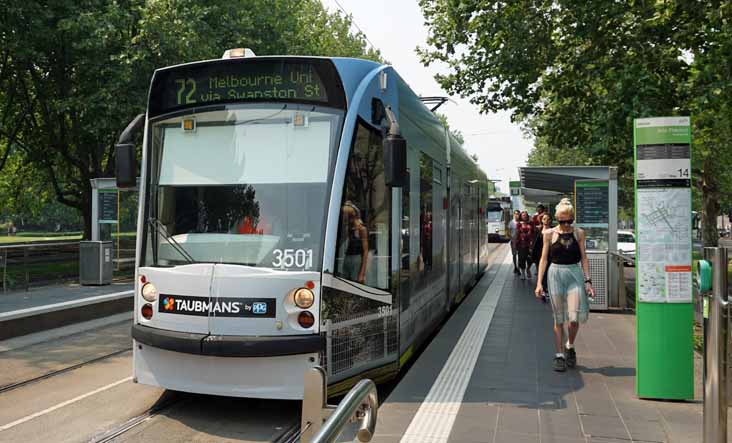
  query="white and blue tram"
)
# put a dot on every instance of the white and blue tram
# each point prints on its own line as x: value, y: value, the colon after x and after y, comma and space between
x: 284, y: 224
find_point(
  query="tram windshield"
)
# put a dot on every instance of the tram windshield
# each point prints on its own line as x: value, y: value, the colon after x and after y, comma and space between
x: 245, y: 185
x: 494, y: 215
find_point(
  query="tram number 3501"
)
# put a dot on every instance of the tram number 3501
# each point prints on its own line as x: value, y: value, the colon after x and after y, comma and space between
x: 289, y: 258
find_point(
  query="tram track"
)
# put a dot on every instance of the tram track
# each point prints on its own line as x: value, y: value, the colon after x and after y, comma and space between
x: 290, y: 432
x: 20, y: 384
x: 172, y: 399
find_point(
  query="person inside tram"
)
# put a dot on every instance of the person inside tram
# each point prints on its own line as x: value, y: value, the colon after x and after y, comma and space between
x: 524, y: 240
x: 569, y: 282
x: 512, y: 225
x: 356, y: 244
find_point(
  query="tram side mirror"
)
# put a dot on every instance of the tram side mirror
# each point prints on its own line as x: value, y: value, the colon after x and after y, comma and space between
x: 125, y: 166
x: 395, y: 161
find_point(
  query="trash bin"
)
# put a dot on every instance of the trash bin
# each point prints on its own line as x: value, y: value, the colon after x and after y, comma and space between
x: 95, y: 262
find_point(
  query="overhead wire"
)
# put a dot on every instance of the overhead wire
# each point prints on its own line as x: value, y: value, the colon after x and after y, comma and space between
x: 353, y: 20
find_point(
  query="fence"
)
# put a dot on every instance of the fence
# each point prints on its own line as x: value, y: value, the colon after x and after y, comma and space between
x: 24, y: 265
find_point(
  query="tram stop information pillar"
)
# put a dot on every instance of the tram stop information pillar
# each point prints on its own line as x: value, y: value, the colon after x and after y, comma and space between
x: 664, y: 313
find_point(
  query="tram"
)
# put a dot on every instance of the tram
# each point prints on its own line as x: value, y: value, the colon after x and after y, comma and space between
x: 295, y: 211
x: 497, y: 217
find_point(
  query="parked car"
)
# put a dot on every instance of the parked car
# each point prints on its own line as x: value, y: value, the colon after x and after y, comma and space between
x: 626, y: 243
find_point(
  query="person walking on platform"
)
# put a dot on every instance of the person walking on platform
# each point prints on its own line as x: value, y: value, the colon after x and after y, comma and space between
x: 524, y: 240
x: 569, y: 282
x: 546, y: 225
x: 538, y: 227
x: 512, y: 225
x: 536, y: 218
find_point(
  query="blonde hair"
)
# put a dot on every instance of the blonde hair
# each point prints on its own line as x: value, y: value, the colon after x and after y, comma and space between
x: 564, y: 207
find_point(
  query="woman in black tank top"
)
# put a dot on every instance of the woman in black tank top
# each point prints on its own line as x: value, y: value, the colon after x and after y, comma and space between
x: 565, y: 250
x: 568, y: 280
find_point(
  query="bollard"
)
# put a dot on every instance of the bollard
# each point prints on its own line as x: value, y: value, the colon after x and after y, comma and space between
x: 715, y: 352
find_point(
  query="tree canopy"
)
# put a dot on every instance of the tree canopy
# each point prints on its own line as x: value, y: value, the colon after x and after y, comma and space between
x: 72, y: 74
x: 576, y: 74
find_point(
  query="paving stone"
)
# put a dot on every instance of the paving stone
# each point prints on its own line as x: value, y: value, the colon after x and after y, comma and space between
x: 563, y: 423
x: 638, y: 410
x: 603, y: 426
x: 510, y: 437
x: 475, y: 419
x: 519, y: 420
x: 502, y: 396
x: 641, y: 430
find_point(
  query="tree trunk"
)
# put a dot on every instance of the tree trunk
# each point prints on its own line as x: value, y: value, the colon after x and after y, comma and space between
x: 710, y: 210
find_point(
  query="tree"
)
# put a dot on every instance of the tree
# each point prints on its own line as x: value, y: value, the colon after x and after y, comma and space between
x: 576, y: 75
x: 455, y: 133
x: 72, y: 74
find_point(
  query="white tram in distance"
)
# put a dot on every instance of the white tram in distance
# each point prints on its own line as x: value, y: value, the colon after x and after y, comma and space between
x: 295, y: 211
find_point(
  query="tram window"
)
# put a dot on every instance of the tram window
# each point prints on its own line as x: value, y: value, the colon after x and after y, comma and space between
x: 425, y: 213
x: 363, y: 235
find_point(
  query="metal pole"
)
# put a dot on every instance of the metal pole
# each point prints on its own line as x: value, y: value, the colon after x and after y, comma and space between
x: 715, y: 384
x: 5, y: 270
x: 25, y: 267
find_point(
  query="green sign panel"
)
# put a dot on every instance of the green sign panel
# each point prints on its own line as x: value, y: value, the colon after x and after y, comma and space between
x: 107, y: 206
x: 663, y: 258
x: 592, y: 203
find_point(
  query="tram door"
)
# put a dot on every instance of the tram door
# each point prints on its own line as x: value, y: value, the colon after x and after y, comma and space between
x: 409, y: 250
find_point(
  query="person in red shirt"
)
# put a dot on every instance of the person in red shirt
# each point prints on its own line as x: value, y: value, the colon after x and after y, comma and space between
x: 525, y: 236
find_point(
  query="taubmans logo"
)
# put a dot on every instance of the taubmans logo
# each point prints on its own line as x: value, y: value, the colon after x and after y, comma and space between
x: 225, y: 307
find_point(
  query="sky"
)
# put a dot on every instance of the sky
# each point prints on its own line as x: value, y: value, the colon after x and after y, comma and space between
x: 500, y: 144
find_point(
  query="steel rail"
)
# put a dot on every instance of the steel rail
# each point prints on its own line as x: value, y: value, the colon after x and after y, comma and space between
x: 16, y: 385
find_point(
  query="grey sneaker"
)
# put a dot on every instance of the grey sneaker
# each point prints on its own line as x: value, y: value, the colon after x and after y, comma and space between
x: 571, y: 357
x: 560, y: 365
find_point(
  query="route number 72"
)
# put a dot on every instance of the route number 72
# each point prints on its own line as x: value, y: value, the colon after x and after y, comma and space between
x: 188, y: 97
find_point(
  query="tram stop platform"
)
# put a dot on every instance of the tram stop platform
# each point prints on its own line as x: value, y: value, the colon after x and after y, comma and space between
x: 487, y: 377
x: 55, y: 306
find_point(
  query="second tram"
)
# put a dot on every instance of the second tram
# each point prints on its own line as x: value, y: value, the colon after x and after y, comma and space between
x: 285, y: 224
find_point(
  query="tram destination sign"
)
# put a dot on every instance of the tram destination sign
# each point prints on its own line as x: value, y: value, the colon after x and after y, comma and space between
x: 663, y: 152
x: 245, y: 80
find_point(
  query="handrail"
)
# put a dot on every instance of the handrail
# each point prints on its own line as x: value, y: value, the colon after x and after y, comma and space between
x: 38, y: 245
x: 625, y: 258
x: 363, y: 393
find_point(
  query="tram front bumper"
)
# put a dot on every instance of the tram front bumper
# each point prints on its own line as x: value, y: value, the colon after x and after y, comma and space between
x: 228, y: 345
x: 255, y: 367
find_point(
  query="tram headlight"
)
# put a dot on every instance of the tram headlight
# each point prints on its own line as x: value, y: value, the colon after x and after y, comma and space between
x: 304, y: 298
x: 149, y: 292
x: 306, y: 319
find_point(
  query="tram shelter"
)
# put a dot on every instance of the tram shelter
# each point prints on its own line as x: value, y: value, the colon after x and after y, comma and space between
x: 594, y: 192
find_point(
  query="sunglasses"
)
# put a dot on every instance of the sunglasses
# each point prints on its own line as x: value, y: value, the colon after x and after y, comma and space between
x: 566, y: 222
